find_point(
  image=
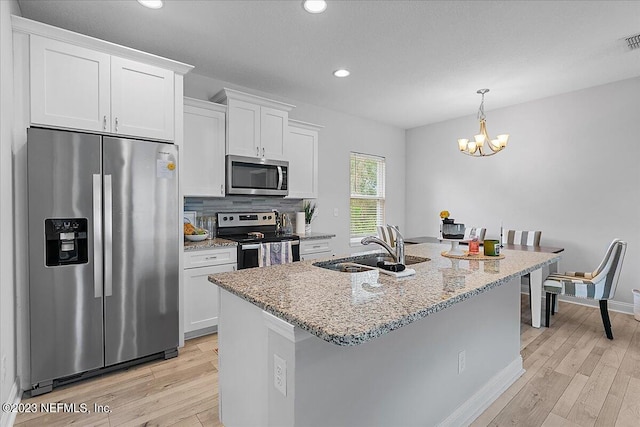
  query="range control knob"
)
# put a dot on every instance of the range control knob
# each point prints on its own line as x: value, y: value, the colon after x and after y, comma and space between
x: 231, y: 218
x: 269, y: 216
x: 264, y: 217
x: 224, y: 218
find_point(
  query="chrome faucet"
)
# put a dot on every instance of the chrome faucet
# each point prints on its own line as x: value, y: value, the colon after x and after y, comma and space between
x: 398, y: 254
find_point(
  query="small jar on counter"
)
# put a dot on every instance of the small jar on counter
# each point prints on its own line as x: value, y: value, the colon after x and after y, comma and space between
x: 474, y: 245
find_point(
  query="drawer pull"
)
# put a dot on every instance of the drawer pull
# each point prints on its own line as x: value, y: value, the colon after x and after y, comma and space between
x: 211, y: 257
x: 317, y: 246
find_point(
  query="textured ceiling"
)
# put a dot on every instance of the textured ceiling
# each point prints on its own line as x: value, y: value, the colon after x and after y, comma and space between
x: 412, y: 62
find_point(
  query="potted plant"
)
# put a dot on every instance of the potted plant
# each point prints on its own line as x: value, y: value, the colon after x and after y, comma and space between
x: 309, y: 214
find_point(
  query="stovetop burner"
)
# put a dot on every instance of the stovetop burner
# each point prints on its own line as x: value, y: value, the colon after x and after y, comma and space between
x: 252, y: 227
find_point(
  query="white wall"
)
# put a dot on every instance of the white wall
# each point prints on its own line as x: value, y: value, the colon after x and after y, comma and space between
x: 342, y: 133
x: 7, y: 283
x: 570, y: 170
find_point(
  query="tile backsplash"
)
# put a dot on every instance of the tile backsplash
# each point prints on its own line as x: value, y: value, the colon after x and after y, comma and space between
x: 211, y: 206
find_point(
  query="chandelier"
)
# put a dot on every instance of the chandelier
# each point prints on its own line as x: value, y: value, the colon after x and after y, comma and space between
x: 476, y: 147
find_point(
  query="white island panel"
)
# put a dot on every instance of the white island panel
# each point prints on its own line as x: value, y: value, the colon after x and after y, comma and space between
x: 406, y: 377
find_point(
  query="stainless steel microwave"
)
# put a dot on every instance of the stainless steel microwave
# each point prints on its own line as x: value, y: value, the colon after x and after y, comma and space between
x: 256, y: 176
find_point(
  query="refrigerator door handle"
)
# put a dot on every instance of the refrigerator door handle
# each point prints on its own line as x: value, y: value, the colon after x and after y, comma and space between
x: 97, y: 236
x: 108, y: 236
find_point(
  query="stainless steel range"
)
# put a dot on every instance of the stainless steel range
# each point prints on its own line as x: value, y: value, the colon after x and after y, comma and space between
x: 250, y: 230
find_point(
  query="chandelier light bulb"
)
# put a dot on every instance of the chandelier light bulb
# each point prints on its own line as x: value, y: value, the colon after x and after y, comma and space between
x: 476, y: 147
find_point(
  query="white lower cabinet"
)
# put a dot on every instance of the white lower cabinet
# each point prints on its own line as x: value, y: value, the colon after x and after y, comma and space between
x: 314, y: 249
x: 200, y: 295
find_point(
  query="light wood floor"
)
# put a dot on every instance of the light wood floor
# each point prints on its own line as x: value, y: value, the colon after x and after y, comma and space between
x: 575, y: 377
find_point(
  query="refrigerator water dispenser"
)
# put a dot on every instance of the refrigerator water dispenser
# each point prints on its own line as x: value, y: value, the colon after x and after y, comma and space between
x: 66, y: 241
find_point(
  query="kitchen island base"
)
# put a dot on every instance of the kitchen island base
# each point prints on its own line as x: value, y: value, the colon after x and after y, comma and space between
x: 444, y: 369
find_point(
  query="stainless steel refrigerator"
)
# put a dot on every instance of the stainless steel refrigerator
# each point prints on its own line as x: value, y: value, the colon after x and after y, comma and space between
x: 103, y: 252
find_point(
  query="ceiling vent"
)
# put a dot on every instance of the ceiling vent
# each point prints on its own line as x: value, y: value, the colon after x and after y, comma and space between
x: 633, y: 41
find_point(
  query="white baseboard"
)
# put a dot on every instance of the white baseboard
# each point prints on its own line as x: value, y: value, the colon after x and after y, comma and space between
x: 466, y: 413
x: 620, y: 307
x: 8, y: 418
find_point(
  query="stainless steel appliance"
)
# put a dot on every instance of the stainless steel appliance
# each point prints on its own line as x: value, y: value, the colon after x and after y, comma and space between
x: 103, y: 253
x: 256, y: 176
x: 250, y: 230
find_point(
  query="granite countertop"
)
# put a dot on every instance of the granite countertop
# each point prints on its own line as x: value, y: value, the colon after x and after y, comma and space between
x: 317, y: 236
x: 343, y: 309
x: 208, y: 244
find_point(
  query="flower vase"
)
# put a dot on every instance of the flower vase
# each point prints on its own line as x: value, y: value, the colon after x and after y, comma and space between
x: 307, y: 229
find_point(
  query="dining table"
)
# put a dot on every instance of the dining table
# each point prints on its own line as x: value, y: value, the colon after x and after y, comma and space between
x: 535, y: 277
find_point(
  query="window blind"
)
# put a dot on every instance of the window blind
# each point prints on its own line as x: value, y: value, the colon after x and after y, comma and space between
x: 367, y: 194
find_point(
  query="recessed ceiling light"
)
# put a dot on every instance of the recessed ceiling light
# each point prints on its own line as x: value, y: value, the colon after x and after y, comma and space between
x: 314, y: 6
x: 341, y: 72
x: 151, y: 4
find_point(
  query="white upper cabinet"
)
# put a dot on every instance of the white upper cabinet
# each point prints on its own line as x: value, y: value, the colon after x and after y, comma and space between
x: 256, y: 126
x: 301, y: 150
x: 141, y: 99
x: 273, y: 131
x: 203, y: 148
x: 70, y: 85
x: 82, y: 83
x: 244, y: 128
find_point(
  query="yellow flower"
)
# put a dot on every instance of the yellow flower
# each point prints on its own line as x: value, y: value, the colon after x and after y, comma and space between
x: 171, y: 166
x: 444, y: 214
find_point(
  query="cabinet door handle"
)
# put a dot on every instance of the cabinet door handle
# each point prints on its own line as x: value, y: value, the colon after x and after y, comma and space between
x: 222, y: 189
x: 262, y: 151
x: 104, y: 123
x: 257, y: 151
x: 116, y: 125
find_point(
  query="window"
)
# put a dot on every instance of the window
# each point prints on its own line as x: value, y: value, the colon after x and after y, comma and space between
x: 367, y: 194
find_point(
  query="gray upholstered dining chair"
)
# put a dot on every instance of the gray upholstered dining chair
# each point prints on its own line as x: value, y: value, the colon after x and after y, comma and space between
x: 387, y: 234
x: 597, y: 285
x: 524, y: 238
x: 479, y: 232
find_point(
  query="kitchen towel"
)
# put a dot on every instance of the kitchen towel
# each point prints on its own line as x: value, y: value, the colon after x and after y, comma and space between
x: 274, y: 253
x: 300, y: 223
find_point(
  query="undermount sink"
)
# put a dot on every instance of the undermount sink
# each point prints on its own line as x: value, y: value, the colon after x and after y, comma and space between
x: 360, y: 263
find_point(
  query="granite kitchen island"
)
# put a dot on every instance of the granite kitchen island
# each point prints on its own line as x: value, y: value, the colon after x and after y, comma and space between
x: 303, y: 345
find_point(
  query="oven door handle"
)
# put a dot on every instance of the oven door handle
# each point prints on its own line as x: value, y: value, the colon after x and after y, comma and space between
x: 257, y: 245
x: 249, y: 247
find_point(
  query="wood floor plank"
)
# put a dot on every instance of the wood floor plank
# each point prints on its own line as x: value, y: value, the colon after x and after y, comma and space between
x: 532, y: 405
x: 570, y: 396
x: 612, y: 404
x: 588, y: 405
x: 629, y: 414
x: 192, y: 421
x: 631, y: 363
x: 579, y: 353
x: 554, y: 420
x: 209, y: 417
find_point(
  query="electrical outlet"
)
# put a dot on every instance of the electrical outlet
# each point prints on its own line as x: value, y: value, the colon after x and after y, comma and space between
x: 462, y: 361
x: 335, y: 211
x: 280, y: 374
